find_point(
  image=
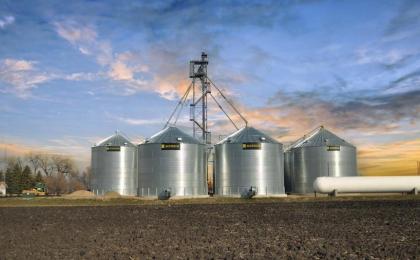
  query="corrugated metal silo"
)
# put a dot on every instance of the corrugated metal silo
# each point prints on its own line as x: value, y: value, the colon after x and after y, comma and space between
x: 114, y: 166
x: 172, y: 161
x: 322, y: 153
x: 288, y: 164
x: 248, y: 158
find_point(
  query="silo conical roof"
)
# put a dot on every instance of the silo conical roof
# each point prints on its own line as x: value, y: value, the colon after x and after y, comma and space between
x: 116, y: 140
x: 248, y: 135
x: 172, y: 134
x: 322, y: 137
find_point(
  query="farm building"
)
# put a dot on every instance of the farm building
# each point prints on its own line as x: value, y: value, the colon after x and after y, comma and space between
x: 3, y: 187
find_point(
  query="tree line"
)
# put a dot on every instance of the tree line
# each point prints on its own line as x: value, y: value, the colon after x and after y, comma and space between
x: 57, y: 172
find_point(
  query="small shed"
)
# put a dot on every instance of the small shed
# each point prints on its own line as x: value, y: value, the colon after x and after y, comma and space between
x: 3, y: 187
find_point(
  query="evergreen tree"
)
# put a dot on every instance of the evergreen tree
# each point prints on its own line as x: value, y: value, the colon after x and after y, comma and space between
x: 13, y: 176
x: 38, y: 177
x: 26, y: 180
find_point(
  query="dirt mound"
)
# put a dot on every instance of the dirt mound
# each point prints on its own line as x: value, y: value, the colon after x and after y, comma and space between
x: 81, y: 194
x: 112, y: 195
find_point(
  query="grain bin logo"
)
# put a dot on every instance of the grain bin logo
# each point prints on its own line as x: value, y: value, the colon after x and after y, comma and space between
x: 331, y: 148
x: 251, y: 146
x: 113, y: 148
x: 170, y: 146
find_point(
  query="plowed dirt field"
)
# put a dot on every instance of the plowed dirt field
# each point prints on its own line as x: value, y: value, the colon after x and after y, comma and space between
x: 319, y: 229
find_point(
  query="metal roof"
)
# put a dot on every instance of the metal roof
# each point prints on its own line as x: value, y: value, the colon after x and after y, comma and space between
x: 321, y: 137
x: 248, y: 135
x: 172, y: 134
x: 116, y: 140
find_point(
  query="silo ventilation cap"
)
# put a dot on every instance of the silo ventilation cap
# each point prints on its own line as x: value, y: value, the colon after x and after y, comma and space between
x: 179, y: 139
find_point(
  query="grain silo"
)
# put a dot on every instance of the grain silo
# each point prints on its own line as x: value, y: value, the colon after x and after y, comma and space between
x: 249, y: 160
x: 320, y: 153
x: 288, y: 166
x: 114, y: 166
x: 172, y: 163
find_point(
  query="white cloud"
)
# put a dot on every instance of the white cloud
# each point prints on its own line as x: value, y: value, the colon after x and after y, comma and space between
x: 84, y: 51
x: 153, y: 70
x: 138, y: 121
x: 85, y: 39
x: 18, y: 65
x: 135, y: 121
x: 76, y: 34
x: 368, y: 56
x: 120, y: 71
x: 6, y: 20
x: 22, y: 76
x: 79, y: 76
x: 127, y: 67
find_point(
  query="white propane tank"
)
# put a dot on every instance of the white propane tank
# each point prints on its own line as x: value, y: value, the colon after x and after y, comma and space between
x: 367, y: 184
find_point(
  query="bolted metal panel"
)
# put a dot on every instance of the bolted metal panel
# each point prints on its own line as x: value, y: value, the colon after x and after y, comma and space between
x: 312, y: 162
x: 116, y: 140
x: 321, y: 153
x: 321, y: 137
x: 180, y: 171
x: 172, y: 160
x: 288, y: 170
x: 172, y: 134
x: 248, y: 134
x: 114, y: 168
x: 238, y: 169
x: 308, y: 163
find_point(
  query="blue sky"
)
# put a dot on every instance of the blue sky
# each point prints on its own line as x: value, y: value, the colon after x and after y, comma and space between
x: 72, y: 73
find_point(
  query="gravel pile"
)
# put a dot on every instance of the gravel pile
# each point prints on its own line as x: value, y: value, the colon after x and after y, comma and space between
x: 80, y: 194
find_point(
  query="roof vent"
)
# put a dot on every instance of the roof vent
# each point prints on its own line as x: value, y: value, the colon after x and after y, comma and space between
x: 179, y: 139
x: 125, y: 143
x: 262, y: 138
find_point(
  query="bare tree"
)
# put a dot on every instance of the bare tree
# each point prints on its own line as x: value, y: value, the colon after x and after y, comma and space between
x: 35, y: 161
x: 45, y: 164
x: 86, y: 177
x: 62, y: 165
x: 56, y: 184
x: 18, y: 161
x: 75, y: 182
x: 64, y: 177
